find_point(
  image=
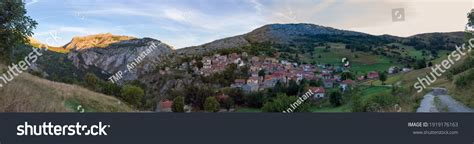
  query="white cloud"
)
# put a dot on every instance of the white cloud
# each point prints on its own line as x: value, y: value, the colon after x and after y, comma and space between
x: 30, y: 2
x: 177, y: 15
x: 184, y: 24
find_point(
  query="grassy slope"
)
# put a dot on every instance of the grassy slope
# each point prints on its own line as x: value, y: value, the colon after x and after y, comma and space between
x: 28, y: 93
x: 408, y: 79
x: 35, y: 43
x: 361, y: 62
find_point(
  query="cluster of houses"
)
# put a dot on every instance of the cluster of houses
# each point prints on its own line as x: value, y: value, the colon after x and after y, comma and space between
x: 275, y: 71
x: 218, y: 63
x: 278, y: 70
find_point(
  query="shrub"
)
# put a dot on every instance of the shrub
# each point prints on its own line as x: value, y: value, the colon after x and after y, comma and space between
x: 132, y: 94
x: 91, y: 80
x: 211, y: 104
x: 110, y: 88
x: 282, y: 102
x: 378, y: 102
x: 335, y: 98
x: 178, y: 104
x: 465, y: 79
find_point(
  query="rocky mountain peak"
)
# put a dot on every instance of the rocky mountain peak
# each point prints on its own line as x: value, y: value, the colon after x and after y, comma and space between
x: 95, y: 41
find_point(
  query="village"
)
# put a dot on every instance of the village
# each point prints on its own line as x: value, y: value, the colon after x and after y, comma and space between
x: 265, y: 72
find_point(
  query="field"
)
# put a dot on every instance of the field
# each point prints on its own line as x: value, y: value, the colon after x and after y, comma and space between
x: 361, y: 62
x: 28, y: 93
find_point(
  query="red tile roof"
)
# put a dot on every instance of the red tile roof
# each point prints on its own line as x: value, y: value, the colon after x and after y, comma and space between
x: 222, y: 97
x: 373, y: 74
x: 317, y: 89
x: 348, y: 81
x: 166, y: 104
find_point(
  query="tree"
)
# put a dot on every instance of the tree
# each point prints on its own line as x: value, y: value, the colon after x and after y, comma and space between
x: 15, y: 27
x: 383, y: 77
x: 347, y: 75
x: 132, y: 94
x: 236, y: 94
x: 316, y: 83
x: 199, y: 64
x: 282, y: 102
x: 293, y: 88
x: 470, y: 17
x: 335, y: 98
x: 196, y: 95
x: 420, y: 64
x: 91, y: 80
x: 430, y: 64
x: 356, y: 100
x: 178, y: 104
x: 261, y: 73
x: 228, y: 103
x: 110, y: 88
x: 279, y: 88
x: 255, y: 99
x: 211, y: 104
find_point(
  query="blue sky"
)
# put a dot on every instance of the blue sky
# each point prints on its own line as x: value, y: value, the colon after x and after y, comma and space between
x: 182, y: 23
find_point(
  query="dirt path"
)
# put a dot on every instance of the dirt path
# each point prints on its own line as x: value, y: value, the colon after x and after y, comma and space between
x: 441, y: 103
x: 427, y: 104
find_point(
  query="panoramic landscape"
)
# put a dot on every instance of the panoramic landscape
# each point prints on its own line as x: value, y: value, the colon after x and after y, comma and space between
x: 275, y: 67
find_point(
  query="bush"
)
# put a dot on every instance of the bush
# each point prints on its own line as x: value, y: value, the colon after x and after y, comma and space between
x: 465, y: 79
x: 335, y: 98
x: 211, y: 104
x: 110, y: 88
x: 255, y: 99
x: 91, y: 80
x: 282, y: 102
x: 178, y: 104
x: 379, y: 102
x: 132, y: 94
x: 357, y: 104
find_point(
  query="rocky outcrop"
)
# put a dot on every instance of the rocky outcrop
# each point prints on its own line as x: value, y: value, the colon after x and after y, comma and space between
x: 115, y: 57
x: 95, y: 41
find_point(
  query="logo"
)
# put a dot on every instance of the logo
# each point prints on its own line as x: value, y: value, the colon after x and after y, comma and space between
x: 80, y: 109
x: 397, y: 108
x: 398, y: 14
x: 345, y: 62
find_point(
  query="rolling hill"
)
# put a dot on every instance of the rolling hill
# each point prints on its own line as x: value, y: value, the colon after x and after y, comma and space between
x: 28, y: 93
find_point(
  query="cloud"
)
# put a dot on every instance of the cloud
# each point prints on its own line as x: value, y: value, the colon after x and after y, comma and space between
x: 177, y: 15
x: 187, y: 23
x: 30, y: 2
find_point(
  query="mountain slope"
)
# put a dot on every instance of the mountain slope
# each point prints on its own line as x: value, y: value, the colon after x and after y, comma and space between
x: 37, y: 44
x: 286, y: 33
x: 272, y: 33
x: 27, y: 93
x: 144, y: 54
x: 95, y: 41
